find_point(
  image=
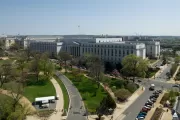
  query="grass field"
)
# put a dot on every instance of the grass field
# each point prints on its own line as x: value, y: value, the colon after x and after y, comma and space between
x: 4, y: 61
x: 91, y: 94
x: 39, y: 90
x: 65, y: 93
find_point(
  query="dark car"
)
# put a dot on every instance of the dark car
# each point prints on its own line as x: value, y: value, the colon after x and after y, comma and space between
x: 148, y: 103
x: 154, y: 96
x: 176, y: 85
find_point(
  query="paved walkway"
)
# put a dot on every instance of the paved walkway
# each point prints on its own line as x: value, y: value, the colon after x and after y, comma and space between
x: 118, y: 113
x: 23, y: 101
x: 60, y: 102
x: 166, y: 115
x: 172, y: 80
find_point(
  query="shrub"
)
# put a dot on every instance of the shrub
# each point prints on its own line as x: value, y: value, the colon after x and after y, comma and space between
x: 131, y: 87
x: 41, y: 82
x: 173, y: 69
x: 122, y: 94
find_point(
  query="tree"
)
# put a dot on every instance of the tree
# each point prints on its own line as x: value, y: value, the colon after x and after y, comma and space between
x: 134, y: 66
x: 64, y: 56
x: 177, y: 59
x: 5, y: 73
x: 122, y: 94
x: 116, y: 73
x: 14, y: 47
x: 95, y: 69
x: 44, y: 62
x: 21, y: 62
x: 35, y: 65
x: 16, y: 94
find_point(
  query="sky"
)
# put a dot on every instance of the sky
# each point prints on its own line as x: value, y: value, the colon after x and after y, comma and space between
x: 112, y: 17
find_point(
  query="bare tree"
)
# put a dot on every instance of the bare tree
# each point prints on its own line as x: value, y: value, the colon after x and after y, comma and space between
x: 35, y: 65
x: 64, y: 56
x: 96, y: 69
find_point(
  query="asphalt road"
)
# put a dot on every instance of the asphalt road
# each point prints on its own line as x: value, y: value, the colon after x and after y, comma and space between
x: 163, y: 76
x: 77, y: 108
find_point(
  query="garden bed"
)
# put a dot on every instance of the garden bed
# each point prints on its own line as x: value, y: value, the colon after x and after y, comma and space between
x: 157, y: 114
x: 171, y: 97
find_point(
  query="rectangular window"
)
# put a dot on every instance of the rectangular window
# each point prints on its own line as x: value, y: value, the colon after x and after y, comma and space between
x: 112, y: 52
x: 101, y: 51
x: 104, y: 52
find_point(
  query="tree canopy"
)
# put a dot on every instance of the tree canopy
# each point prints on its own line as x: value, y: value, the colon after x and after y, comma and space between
x: 134, y: 66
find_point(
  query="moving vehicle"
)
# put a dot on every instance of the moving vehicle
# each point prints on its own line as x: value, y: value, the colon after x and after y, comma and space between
x: 152, y: 87
x: 176, y: 85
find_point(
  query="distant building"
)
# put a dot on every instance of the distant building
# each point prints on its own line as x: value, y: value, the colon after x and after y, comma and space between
x: 108, y: 49
x: 51, y: 47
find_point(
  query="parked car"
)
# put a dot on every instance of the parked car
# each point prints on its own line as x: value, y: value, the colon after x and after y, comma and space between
x: 143, y: 113
x: 148, y: 103
x: 160, y: 91
x: 154, y: 96
x: 141, y: 118
x: 144, y: 110
x: 153, y: 99
x: 147, y: 107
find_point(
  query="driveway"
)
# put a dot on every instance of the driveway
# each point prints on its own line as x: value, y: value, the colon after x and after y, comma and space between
x: 77, y: 108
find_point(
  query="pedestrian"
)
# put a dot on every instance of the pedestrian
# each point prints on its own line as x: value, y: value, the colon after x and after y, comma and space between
x: 167, y: 110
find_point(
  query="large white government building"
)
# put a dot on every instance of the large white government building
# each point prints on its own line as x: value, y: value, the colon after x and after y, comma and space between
x: 108, y: 49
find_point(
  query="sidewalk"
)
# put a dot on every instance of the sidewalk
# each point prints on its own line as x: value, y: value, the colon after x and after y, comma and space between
x: 166, y: 115
x: 60, y: 102
x: 117, y: 115
x: 156, y: 104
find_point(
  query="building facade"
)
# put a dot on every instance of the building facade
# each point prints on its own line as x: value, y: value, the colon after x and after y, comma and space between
x: 108, y: 50
x: 50, y: 47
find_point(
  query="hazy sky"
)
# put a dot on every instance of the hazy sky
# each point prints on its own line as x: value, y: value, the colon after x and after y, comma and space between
x: 116, y: 17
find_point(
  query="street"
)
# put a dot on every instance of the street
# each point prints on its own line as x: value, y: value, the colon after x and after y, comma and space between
x: 160, y: 83
x: 77, y: 108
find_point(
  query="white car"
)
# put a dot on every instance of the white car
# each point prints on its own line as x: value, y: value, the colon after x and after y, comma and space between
x: 150, y: 101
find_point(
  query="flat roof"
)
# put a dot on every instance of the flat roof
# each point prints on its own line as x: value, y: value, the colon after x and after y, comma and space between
x: 45, y: 98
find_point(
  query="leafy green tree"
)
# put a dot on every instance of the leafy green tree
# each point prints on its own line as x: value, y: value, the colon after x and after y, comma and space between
x: 134, y: 66
x: 64, y: 56
x: 5, y: 73
x: 44, y: 62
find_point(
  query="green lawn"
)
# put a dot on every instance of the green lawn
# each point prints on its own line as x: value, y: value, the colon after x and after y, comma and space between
x: 39, y: 90
x: 5, y: 98
x: 65, y: 93
x: 91, y: 94
x: 4, y: 61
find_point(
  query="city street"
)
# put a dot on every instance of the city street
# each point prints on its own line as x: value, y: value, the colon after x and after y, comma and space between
x: 160, y: 83
x: 77, y: 108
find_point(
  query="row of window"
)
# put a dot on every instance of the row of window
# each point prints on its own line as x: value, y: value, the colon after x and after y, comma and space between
x: 107, y: 51
x: 112, y: 46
